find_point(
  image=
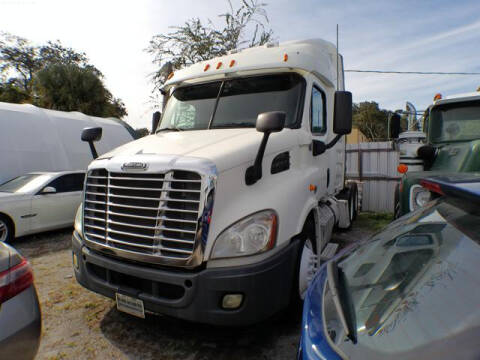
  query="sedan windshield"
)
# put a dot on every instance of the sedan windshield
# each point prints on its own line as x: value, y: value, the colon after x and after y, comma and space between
x: 24, y: 183
x: 413, y: 286
x: 455, y: 122
x: 233, y: 103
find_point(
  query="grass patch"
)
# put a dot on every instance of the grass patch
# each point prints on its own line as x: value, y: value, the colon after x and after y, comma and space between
x: 373, y: 221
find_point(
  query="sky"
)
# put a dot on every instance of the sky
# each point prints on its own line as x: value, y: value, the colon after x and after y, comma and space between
x: 374, y: 35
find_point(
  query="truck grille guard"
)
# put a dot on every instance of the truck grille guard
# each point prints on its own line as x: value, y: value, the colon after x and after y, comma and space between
x: 159, y: 218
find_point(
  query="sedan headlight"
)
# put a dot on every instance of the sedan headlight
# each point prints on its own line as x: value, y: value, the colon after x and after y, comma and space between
x: 419, y: 196
x: 252, y: 235
x: 78, y: 220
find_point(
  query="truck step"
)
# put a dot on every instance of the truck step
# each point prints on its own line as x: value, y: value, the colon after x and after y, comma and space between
x: 328, y: 252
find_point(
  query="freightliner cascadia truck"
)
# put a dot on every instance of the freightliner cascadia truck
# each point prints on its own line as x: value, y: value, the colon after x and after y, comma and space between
x: 452, y: 145
x: 223, y: 214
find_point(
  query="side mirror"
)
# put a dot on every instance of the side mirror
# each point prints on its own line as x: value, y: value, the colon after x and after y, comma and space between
x: 269, y: 122
x: 155, y: 120
x: 394, y: 126
x: 90, y: 135
x: 48, y: 190
x: 342, y: 117
x: 273, y: 121
x: 427, y: 153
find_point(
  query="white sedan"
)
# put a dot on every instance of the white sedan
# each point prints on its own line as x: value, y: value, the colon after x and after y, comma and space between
x: 38, y: 202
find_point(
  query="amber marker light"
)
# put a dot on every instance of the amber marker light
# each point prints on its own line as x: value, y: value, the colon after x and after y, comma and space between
x: 437, y: 97
x: 170, y: 76
x: 232, y: 62
x: 219, y: 65
x: 402, y: 168
x: 285, y: 57
x: 312, y: 188
x: 206, y: 67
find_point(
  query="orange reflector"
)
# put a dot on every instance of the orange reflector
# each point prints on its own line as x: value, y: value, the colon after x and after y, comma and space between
x: 437, y: 97
x: 285, y: 57
x: 232, y: 63
x: 219, y: 65
x: 402, y: 168
x: 170, y: 76
x: 312, y: 188
x: 206, y: 67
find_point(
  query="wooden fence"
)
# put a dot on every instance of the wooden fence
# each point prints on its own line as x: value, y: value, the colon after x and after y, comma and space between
x: 374, y: 166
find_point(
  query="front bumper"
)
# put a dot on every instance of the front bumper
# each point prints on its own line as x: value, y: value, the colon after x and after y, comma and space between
x: 194, y: 296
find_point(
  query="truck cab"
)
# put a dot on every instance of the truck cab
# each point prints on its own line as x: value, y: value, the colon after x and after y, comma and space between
x: 452, y: 126
x: 222, y: 215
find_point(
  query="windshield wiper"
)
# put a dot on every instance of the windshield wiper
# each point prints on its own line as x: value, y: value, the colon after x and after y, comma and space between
x: 340, y: 297
x: 233, y: 125
x: 169, y: 128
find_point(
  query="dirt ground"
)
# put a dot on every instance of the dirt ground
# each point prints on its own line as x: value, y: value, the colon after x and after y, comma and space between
x: 79, y: 324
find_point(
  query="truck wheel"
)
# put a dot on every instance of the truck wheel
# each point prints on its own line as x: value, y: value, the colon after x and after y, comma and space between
x: 353, y: 201
x: 306, y: 268
x: 6, y: 230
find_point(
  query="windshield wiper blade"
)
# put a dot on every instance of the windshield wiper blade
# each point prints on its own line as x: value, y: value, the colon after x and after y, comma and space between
x: 336, y: 283
x: 169, y: 129
x: 233, y: 125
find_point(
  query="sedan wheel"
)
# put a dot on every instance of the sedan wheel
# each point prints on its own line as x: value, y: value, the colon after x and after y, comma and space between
x: 4, y: 230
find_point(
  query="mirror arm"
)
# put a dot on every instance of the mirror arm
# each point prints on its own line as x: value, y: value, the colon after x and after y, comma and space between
x: 333, y: 142
x: 93, y: 150
x: 254, y: 172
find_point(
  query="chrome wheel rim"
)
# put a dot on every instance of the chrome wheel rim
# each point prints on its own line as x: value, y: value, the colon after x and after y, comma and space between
x: 3, y: 231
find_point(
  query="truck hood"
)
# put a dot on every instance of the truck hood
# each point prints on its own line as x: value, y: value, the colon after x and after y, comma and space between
x: 227, y: 148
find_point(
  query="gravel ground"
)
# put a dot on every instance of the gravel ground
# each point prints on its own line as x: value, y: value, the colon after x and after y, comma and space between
x: 79, y: 324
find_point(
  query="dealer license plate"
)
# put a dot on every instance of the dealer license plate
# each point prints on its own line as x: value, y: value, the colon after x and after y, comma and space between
x: 130, y: 305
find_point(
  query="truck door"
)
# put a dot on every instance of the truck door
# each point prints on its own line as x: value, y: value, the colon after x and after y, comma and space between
x: 318, y: 127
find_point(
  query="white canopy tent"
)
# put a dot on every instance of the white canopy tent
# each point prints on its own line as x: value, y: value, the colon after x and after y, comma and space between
x: 36, y: 139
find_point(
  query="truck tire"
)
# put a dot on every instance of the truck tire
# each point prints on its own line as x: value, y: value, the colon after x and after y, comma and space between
x: 350, y: 193
x: 306, y: 263
x: 354, y: 199
x: 6, y: 229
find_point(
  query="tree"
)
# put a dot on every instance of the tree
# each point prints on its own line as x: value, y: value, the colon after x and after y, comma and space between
x: 196, y: 41
x: 69, y: 87
x: 371, y: 120
x: 53, y: 76
x: 142, y: 132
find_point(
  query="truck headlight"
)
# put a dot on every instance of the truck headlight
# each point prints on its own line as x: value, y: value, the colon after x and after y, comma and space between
x: 419, y: 196
x: 252, y: 235
x: 78, y: 220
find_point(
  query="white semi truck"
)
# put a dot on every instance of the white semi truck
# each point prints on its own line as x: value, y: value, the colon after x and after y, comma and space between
x: 223, y: 214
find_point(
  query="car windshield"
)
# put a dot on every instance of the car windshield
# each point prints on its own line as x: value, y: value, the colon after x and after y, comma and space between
x: 233, y: 103
x: 24, y: 183
x: 455, y: 122
x: 414, y: 286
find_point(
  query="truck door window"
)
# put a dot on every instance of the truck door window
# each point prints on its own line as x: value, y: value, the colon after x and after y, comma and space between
x: 317, y: 112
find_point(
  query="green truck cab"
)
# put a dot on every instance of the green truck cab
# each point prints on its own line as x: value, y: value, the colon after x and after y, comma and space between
x: 452, y: 127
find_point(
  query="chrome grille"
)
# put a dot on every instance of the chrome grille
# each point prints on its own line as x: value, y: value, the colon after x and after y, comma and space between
x: 151, y: 214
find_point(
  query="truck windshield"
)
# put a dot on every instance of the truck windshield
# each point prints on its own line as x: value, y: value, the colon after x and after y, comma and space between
x: 455, y: 122
x: 233, y: 103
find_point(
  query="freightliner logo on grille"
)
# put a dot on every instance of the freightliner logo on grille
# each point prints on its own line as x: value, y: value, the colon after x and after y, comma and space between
x: 135, y: 166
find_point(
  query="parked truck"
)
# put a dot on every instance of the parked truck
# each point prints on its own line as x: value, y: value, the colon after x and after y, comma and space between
x: 452, y: 126
x: 223, y: 214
